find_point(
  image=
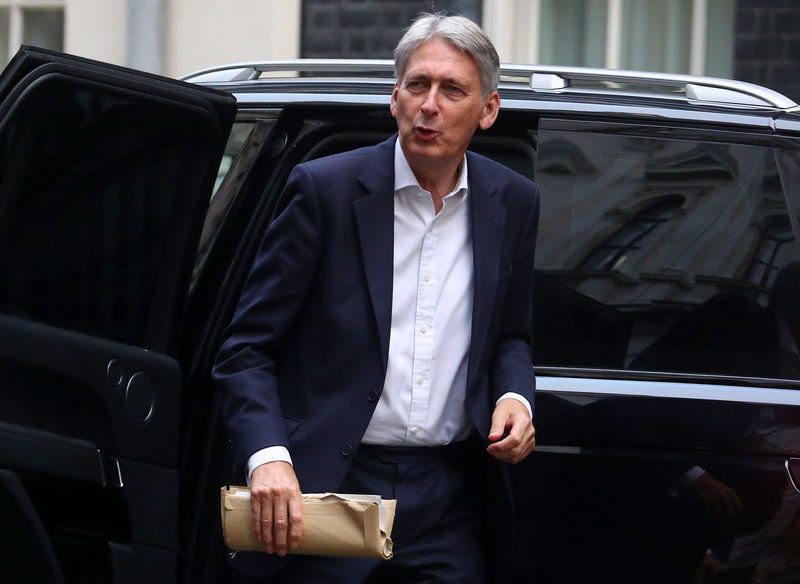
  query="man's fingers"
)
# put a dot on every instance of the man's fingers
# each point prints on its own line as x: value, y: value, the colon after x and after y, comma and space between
x: 262, y: 518
x: 277, y: 507
x: 513, y: 447
x: 519, y: 439
x: 499, y: 424
x: 732, y: 502
x: 295, y: 534
x: 280, y: 524
x: 255, y: 505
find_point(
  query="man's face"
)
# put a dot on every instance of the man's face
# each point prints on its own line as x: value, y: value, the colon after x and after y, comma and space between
x: 438, y: 105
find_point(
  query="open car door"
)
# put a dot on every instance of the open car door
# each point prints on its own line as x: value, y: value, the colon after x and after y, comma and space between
x: 105, y: 175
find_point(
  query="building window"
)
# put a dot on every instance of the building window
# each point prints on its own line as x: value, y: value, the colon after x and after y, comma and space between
x: 369, y: 28
x: 573, y: 32
x: 4, y: 27
x: 667, y: 36
x: 30, y: 22
x: 656, y: 35
x: 617, y: 249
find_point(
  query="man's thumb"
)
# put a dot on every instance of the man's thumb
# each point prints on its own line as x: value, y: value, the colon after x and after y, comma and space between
x: 498, y: 426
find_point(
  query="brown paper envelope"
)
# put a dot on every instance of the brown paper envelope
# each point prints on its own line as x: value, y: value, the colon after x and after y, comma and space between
x: 333, y: 524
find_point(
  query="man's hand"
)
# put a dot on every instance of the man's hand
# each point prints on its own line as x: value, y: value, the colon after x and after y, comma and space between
x: 512, y: 433
x: 277, y: 507
x: 717, y: 500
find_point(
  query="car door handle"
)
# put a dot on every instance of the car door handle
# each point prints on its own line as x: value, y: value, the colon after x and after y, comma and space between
x: 793, y: 470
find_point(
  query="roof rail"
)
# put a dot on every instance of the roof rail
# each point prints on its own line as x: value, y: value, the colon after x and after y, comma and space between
x: 252, y: 70
x: 695, y: 88
x: 540, y: 78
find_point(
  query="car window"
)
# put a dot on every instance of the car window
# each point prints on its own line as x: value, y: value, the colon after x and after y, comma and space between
x: 94, y: 217
x: 660, y: 254
x: 236, y: 141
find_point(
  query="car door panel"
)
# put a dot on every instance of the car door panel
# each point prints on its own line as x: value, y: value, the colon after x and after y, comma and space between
x: 28, y: 549
x: 121, y: 398
x: 617, y: 484
x: 667, y: 380
x: 106, y: 176
x: 29, y: 450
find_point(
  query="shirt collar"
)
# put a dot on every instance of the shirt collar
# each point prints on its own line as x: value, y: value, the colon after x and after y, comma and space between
x: 404, y: 176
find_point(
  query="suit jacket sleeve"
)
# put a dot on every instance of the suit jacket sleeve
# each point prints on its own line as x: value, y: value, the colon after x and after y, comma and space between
x: 272, y: 298
x: 511, y: 368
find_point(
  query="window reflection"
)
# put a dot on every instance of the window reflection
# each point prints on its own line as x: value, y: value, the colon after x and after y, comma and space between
x: 632, y: 237
x: 660, y: 255
x: 772, y: 249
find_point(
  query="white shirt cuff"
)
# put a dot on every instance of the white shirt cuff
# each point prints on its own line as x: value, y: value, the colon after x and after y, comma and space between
x: 686, y: 481
x: 265, y: 455
x: 517, y: 397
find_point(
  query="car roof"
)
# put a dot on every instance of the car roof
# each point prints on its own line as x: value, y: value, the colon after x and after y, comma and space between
x: 541, y: 79
x: 647, y: 96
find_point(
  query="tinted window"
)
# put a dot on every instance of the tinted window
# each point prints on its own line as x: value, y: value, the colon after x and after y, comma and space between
x: 663, y: 255
x: 94, y: 215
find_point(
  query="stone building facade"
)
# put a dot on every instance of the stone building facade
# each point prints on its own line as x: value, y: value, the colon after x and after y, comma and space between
x: 767, y: 45
x: 366, y: 29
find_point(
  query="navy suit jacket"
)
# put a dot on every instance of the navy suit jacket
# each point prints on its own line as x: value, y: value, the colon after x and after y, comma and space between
x: 304, y: 358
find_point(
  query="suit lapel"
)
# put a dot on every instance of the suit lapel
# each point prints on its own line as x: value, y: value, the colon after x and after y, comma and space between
x: 488, y: 220
x: 374, y: 214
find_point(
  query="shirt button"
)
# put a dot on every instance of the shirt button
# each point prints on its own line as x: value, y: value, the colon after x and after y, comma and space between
x: 427, y: 277
x: 416, y: 430
x: 420, y: 380
x: 347, y: 450
x: 423, y: 329
x: 372, y: 395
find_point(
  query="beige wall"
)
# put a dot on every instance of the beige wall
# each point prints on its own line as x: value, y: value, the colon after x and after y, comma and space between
x: 197, y: 33
x: 96, y: 29
x: 513, y: 26
x: 203, y: 33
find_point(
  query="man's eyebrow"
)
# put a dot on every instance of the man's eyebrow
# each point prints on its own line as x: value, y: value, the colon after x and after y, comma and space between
x: 445, y: 80
x: 417, y: 75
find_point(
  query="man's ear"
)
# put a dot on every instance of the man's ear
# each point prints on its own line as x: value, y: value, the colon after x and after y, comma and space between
x: 393, y: 105
x: 490, y: 110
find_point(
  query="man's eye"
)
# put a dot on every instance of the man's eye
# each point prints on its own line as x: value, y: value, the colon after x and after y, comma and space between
x: 454, y: 89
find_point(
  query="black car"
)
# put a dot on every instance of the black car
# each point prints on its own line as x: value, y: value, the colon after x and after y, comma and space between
x: 666, y: 314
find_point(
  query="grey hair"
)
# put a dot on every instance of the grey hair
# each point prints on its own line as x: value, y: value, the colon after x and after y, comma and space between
x: 458, y: 31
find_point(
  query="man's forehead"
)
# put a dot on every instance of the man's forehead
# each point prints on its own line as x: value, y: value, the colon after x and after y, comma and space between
x: 440, y: 58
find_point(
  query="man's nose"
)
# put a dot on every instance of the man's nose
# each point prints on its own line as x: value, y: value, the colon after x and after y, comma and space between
x: 431, y: 104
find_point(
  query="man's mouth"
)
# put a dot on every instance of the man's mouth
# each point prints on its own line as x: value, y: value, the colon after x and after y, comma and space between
x: 425, y: 133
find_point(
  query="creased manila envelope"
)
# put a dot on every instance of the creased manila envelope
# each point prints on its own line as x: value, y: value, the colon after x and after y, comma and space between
x: 333, y: 524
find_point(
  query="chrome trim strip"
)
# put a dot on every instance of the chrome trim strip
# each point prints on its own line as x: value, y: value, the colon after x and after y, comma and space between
x: 270, y: 99
x: 112, y: 473
x: 638, y: 375
x: 634, y: 111
x: 255, y: 99
x: 668, y: 389
x: 789, y: 472
x: 571, y: 450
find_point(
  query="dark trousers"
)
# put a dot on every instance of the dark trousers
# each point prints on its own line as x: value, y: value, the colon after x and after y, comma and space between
x: 437, y: 534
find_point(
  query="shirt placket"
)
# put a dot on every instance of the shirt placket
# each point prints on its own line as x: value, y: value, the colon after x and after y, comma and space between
x: 422, y: 370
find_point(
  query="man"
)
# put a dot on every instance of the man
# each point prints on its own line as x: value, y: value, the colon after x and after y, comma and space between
x: 383, y: 333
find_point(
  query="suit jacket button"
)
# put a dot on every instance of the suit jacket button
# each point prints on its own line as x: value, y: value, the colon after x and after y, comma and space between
x: 372, y: 395
x: 347, y: 450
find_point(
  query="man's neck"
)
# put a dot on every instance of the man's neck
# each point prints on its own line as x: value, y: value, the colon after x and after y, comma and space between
x: 438, y: 181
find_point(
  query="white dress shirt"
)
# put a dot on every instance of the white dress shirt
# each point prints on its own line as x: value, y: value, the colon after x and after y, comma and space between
x: 424, y: 392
